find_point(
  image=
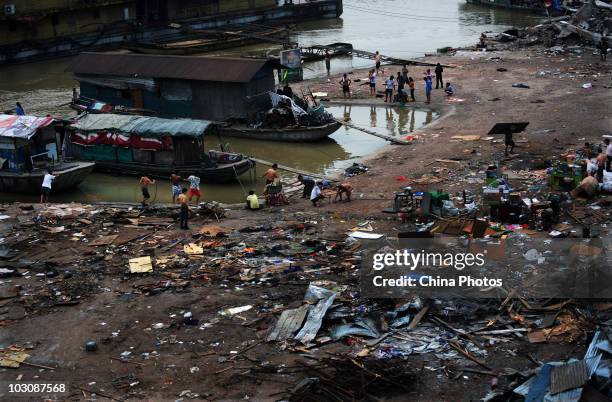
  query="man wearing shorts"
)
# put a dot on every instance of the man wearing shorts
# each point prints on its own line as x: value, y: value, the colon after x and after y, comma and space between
x: 378, y: 59
x: 194, y: 188
x: 176, y: 186
x: 144, y: 187
x: 346, y: 86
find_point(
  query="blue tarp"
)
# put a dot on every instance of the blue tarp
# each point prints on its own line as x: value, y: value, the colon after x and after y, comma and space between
x: 141, y: 125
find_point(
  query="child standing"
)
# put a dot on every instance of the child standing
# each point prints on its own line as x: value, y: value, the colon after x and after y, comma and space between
x: 390, y: 86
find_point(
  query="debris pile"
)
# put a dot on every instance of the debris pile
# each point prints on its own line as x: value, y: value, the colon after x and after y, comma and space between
x: 586, y: 26
x: 271, y: 110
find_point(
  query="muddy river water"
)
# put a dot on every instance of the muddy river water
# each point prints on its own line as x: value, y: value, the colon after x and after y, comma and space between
x: 400, y: 28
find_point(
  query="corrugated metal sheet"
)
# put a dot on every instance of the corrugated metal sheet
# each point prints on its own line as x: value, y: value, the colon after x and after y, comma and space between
x: 140, y: 125
x: 200, y: 68
x: 569, y: 376
x: 21, y: 127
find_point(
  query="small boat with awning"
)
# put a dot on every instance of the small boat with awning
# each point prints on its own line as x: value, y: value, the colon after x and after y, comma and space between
x: 143, y: 145
x: 30, y: 145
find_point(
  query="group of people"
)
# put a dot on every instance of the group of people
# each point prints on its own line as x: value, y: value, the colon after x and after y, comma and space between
x: 313, y: 190
x: 603, y: 159
x: 180, y: 194
x: 403, y: 86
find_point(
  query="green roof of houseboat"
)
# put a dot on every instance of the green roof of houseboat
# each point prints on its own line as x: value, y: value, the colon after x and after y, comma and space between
x: 141, y: 125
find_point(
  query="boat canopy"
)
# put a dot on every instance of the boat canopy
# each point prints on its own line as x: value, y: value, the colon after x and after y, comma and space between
x: 141, y: 125
x: 22, y: 127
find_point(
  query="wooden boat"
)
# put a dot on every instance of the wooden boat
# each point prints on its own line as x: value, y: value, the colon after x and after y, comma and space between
x: 67, y: 175
x: 208, y: 41
x: 30, y: 145
x: 84, y: 104
x: 142, y: 145
x: 288, y: 134
x: 317, y: 52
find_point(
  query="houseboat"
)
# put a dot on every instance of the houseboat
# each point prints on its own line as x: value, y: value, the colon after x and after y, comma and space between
x: 30, y: 145
x: 197, y: 87
x: 153, y: 146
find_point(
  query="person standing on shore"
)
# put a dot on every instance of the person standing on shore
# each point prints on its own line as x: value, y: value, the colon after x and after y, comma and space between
x: 372, y: 79
x: 401, y: 92
x: 327, y: 62
x: 19, y: 111
x: 45, y: 189
x: 439, y: 70
x: 346, y: 86
x: 389, y: 87
x: 601, y: 164
x: 411, y: 85
x: 378, y: 59
x: 194, y: 188
x: 144, y: 188
x: 405, y: 73
x: 175, y: 180
x: 508, y: 142
x: 428, y: 88
x: 603, y: 48
x: 182, y: 199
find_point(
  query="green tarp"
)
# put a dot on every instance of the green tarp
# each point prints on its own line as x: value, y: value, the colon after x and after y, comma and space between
x: 141, y: 125
x: 124, y: 155
x: 104, y: 153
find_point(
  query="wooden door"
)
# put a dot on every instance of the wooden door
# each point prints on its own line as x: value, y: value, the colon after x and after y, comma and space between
x: 137, y: 100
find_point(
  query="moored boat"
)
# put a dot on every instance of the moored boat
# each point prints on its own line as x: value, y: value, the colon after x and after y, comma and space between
x: 288, y: 134
x: 194, y: 41
x: 141, y: 145
x: 29, y: 146
x: 276, y: 117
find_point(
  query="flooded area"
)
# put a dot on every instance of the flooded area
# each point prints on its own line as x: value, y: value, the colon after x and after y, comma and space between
x: 394, y: 27
x: 330, y: 156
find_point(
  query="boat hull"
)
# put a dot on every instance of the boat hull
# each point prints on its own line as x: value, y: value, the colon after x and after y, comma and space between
x: 223, y: 173
x: 301, y: 134
x: 505, y: 4
x: 30, y: 183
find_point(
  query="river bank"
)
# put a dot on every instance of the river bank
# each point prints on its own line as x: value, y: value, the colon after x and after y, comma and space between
x: 169, y: 334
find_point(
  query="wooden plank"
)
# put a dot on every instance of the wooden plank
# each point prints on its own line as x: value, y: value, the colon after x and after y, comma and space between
x: 293, y: 170
x: 383, y: 136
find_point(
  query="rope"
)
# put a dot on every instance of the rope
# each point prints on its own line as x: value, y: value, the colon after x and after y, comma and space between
x: 238, y: 178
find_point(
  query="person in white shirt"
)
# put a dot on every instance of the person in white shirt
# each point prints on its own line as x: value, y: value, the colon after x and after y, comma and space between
x: 315, y: 194
x: 390, y: 86
x: 608, y: 153
x: 46, y: 186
